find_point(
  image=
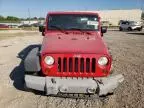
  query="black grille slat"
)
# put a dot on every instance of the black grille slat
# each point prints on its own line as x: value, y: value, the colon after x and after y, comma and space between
x: 87, y: 64
x: 65, y: 65
x: 59, y: 64
x: 82, y: 65
x: 75, y: 64
x: 93, y: 64
x: 70, y: 65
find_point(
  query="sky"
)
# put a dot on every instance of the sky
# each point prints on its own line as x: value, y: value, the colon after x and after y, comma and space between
x: 39, y: 8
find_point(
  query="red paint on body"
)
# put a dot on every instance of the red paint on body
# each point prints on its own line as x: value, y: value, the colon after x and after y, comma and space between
x: 71, y: 44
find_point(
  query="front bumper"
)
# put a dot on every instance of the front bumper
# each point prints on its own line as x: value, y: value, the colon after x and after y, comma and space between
x: 55, y: 85
x: 136, y: 27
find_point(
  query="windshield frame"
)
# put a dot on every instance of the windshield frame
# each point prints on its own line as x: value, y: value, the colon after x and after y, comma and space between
x: 71, y: 13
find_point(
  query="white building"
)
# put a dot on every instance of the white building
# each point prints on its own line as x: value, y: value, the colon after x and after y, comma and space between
x: 114, y: 16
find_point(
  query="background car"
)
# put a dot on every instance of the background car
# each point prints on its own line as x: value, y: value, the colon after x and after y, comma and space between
x: 130, y: 25
x: 4, y: 26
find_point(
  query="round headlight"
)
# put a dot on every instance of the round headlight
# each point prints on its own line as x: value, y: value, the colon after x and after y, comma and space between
x: 49, y: 60
x: 102, y: 61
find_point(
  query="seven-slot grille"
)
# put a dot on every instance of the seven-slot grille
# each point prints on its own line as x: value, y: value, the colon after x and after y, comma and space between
x: 75, y: 64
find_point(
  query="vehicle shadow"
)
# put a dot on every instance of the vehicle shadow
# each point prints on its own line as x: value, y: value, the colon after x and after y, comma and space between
x: 17, y: 74
x: 136, y: 33
x: 109, y: 29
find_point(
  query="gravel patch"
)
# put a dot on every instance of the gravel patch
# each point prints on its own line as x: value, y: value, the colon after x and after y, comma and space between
x: 126, y: 48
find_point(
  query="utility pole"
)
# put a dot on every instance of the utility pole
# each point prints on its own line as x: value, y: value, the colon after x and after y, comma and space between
x: 29, y: 15
x: 137, y: 4
x: 140, y: 4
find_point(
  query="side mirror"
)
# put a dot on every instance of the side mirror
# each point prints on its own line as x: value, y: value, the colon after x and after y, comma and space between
x: 103, y: 30
x: 42, y: 29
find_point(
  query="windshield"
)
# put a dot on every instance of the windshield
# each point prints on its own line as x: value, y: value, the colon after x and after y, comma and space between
x: 73, y: 22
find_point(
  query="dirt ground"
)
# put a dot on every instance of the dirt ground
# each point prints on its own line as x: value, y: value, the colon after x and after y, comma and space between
x: 127, y: 49
x: 6, y: 34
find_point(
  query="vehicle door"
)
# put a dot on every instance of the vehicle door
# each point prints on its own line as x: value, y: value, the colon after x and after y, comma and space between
x: 127, y: 24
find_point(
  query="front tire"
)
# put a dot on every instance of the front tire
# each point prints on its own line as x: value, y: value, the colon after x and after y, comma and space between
x: 129, y: 29
x: 120, y: 29
x: 140, y: 29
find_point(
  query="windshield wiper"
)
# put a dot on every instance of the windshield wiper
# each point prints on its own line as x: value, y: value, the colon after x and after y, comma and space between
x: 58, y: 28
x: 81, y: 30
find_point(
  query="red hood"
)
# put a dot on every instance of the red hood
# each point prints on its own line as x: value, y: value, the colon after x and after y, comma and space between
x: 73, y: 43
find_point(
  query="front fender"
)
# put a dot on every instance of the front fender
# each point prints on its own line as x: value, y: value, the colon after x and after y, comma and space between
x: 32, y: 61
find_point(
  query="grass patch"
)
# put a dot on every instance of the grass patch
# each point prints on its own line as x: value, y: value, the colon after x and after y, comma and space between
x: 22, y: 28
x: 7, y: 21
x: 1, y: 29
x: 30, y: 28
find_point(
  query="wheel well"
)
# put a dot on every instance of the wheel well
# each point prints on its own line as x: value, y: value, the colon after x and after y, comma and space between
x: 32, y: 61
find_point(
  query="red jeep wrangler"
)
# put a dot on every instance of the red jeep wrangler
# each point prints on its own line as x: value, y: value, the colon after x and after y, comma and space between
x: 73, y: 59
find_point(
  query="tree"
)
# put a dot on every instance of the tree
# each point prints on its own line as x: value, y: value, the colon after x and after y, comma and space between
x: 41, y: 18
x: 9, y: 19
x: 35, y: 18
x: 12, y: 18
x: 2, y: 18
